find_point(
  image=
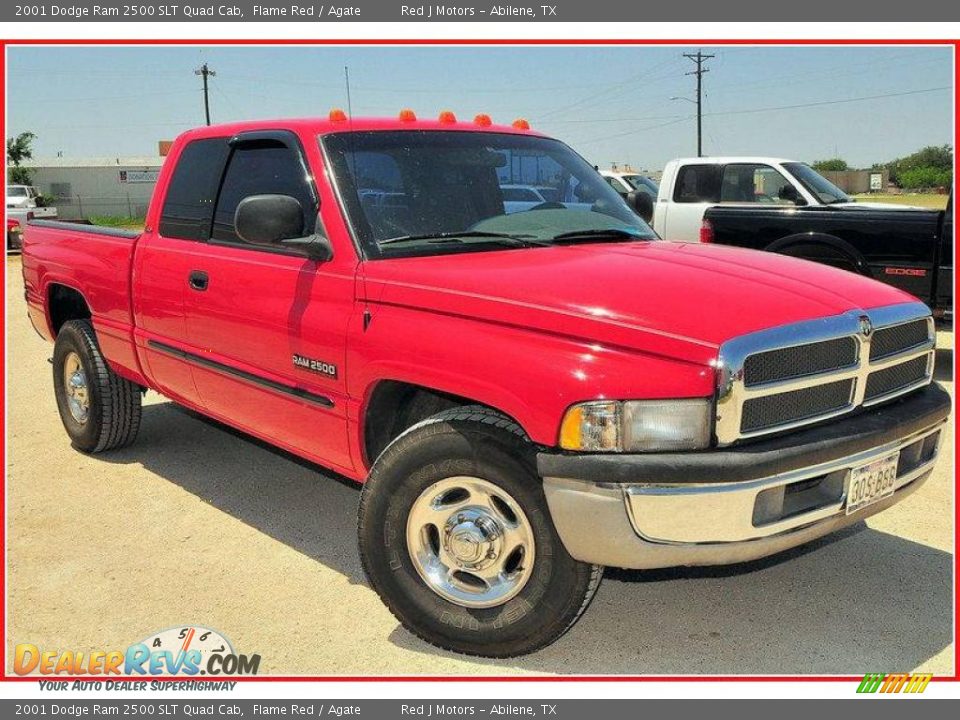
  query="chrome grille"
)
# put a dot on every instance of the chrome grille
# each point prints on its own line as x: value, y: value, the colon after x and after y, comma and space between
x: 771, y: 410
x: 896, y: 339
x: 794, y: 362
x: 794, y: 375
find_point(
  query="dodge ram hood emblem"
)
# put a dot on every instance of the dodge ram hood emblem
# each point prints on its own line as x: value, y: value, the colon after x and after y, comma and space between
x: 866, y: 327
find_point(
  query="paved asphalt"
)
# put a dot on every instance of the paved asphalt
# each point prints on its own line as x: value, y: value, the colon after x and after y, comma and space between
x: 198, y: 524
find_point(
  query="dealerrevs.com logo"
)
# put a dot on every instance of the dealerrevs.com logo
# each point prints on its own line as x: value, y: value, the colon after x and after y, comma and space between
x: 894, y: 683
x: 189, y: 650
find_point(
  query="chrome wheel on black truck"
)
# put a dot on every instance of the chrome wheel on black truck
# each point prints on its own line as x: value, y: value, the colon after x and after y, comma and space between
x: 456, y: 538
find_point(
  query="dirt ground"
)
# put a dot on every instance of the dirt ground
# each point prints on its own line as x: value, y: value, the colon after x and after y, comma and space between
x: 198, y: 524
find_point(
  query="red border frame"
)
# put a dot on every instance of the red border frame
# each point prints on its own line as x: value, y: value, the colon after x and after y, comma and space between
x: 4, y: 43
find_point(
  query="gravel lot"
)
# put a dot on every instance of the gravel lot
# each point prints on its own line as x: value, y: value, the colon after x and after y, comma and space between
x: 198, y: 524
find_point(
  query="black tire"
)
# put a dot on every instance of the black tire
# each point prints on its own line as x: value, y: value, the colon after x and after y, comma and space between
x: 477, y: 442
x: 113, y: 418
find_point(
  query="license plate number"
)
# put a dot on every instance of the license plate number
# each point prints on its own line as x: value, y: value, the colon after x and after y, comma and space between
x: 873, y: 482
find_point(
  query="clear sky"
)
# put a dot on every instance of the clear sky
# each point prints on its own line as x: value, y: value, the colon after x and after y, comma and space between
x: 611, y: 104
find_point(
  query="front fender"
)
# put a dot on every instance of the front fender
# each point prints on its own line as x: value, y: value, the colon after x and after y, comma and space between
x: 531, y: 376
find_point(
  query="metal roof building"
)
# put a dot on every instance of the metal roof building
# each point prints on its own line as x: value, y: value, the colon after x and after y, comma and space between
x: 84, y: 187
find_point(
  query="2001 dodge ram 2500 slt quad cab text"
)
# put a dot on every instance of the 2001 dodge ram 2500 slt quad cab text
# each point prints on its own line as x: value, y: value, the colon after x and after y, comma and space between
x: 525, y: 396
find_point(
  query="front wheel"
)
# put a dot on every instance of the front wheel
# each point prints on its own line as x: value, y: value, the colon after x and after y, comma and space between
x: 456, y: 538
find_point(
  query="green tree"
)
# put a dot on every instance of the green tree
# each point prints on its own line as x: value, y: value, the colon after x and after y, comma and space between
x: 925, y: 177
x: 831, y: 164
x: 19, y: 148
x: 931, y: 166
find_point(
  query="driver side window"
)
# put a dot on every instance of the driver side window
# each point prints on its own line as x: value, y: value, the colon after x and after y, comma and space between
x: 261, y: 168
x: 753, y: 183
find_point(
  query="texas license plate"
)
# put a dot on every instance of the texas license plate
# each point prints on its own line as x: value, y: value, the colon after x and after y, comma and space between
x: 873, y: 482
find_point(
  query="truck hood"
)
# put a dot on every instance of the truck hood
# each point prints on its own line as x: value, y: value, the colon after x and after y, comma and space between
x: 680, y: 300
x: 17, y: 202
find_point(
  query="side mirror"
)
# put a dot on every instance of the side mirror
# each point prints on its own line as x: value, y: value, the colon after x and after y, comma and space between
x: 268, y: 219
x: 277, y: 221
x: 790, y: 194
x: 642, y: 204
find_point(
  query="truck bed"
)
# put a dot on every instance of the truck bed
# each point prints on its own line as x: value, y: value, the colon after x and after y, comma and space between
x: 93, y: 261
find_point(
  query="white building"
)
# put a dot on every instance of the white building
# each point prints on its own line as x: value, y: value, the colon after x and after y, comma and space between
x: 81, y: 187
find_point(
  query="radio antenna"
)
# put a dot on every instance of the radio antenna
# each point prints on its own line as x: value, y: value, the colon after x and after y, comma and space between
x: 346, y: 77
x: 353, y: 155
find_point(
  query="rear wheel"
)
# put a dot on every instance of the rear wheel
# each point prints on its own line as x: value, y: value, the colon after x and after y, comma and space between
x: 99, y: 409
x: 456, y: 538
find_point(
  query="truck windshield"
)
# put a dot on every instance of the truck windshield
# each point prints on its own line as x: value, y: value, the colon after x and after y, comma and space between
x: 416, y: 193
x: 814, y: 182
x: 16, y: 191
x: 640, y: 182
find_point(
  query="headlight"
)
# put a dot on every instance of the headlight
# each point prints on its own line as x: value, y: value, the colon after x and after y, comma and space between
x: 637, y: 426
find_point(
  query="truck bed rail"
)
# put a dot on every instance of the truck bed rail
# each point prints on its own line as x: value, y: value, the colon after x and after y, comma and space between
x: 82, y: 227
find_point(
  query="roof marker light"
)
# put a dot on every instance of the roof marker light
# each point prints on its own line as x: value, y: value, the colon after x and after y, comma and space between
x: 447, y: 117
x: 338, y: 115
x: 483, y: 120
x: 407, y: 115
x: 521, y: 124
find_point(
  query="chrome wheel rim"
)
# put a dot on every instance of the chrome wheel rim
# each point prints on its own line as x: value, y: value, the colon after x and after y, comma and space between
x: 471, y: 542
x: 75, y: 387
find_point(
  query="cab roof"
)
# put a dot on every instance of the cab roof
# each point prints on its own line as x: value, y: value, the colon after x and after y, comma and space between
x: 733, y: 159
x: 342, y: 123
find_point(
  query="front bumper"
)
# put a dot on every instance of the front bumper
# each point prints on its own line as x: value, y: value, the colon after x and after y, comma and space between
x: 739, y: 503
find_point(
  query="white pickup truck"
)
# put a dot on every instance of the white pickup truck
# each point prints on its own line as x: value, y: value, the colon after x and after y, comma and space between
x: 24, y: 203
x: 691, y: 185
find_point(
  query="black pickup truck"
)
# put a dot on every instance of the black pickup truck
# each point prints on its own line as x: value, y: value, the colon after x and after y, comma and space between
x: 909, y: 248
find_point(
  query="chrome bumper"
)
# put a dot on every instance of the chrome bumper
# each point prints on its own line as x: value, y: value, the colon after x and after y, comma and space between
x: 650, y: 525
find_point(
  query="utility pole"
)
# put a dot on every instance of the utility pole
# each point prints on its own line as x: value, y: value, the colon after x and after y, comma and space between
x: 206, y: 72
x: 699, y: 59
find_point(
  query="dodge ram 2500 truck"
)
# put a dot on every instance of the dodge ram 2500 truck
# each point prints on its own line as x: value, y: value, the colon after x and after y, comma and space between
x: 788, y: 207
x: 526, y: 397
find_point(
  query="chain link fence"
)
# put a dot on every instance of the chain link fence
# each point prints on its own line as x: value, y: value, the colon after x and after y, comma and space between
x: 83, y: 207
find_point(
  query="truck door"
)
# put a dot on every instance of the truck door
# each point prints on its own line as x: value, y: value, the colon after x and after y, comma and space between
x: 267, y: 326
x: 163, y: 260
x: 697, y: 187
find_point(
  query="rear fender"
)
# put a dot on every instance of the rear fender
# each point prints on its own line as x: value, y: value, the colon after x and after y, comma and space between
x: 783, y: 245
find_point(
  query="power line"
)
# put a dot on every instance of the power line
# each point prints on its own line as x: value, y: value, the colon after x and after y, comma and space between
x: 632, y: 132
x: 610, y: 120
x: 699, y: 59
x: 748, y: 111
x: 610, y: 89
x: 206, y: 72
x: 829, y: 102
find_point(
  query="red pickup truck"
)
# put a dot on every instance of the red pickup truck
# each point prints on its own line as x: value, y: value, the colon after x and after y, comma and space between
x: 527, y: 396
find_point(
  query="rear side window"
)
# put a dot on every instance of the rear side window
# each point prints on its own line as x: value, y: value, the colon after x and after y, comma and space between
x: 188, y: 207
x: 697, y: 184
x: 264, y: 167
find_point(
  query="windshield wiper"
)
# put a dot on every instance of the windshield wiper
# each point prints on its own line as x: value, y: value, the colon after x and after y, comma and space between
x: 598, y: 236
x: 505, y: 238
